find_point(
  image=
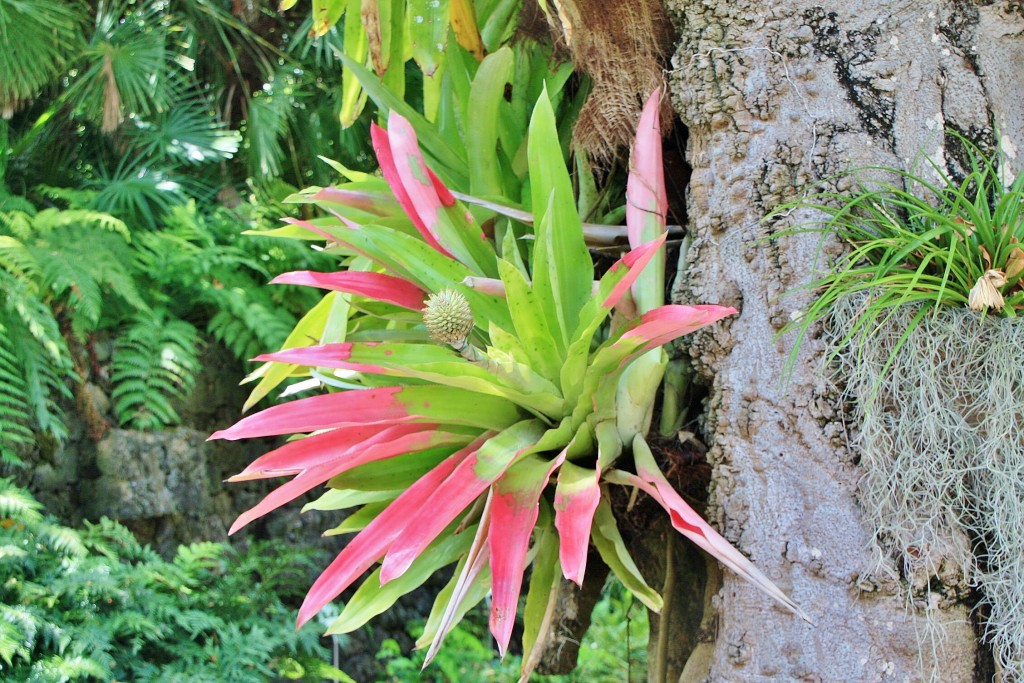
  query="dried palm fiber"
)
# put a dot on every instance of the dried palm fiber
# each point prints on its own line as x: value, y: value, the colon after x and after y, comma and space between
x: 940, y: 435
x: 112, y: 116
x: 620, y: 45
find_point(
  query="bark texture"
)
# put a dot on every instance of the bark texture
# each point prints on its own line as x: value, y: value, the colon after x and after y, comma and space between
x: 775, y: 96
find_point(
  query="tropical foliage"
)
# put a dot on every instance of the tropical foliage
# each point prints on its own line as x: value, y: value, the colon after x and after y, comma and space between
x: 382, y: 35
x: 145, y: 134
x: 95, y: 605
x: 613, y: 650
x: 507, y: 420
x: 146, y: 290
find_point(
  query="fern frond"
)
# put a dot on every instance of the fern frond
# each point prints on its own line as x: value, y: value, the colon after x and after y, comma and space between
x: 87, y: 283
x: 248, y: 321
x: 18, y: 504
x: 15, y: 416
x: 18, y: 627
x: 48, y: 220
x: 15, y: 257
x: 35, y: 363
x: 155, y: 362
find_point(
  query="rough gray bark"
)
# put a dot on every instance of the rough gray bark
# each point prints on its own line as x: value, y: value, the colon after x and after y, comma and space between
x: 775, y: 96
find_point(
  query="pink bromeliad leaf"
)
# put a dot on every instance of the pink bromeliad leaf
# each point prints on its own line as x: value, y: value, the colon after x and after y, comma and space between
x: 471, y: 568
x: 577, y: 496
x: 634, y: 262
x: 647, y: 203
x: 386, y: 158
x: 317, y: 463
x: 387, y: 288
x: 687, y: 522
x: 646, y: 200
x: 470, y: 479
x: 374, y: 202
x: 665, y: 323
x: 576, y: 499
x: 429, y: 201
x: 382, y: 405
x: 372, y: 542
x: 327, y: 411
x: 514, y: 509
x: 354, y: 356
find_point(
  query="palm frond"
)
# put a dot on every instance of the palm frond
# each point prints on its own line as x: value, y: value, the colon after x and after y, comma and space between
x: 45, y: 34
x: 126, y: 64
x: 190, y: 133
x: 136, y: 192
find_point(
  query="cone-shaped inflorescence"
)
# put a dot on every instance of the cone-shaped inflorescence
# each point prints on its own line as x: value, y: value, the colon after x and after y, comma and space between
x: 448, y: 318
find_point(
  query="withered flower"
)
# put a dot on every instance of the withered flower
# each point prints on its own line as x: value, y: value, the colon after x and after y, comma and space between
x: 985, y: 293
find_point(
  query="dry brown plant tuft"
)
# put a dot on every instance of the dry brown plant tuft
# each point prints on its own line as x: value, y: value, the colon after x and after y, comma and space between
x: 111, y: 98
x: 620, y: 45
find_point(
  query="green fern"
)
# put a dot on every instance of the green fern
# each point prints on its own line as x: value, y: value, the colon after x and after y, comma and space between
x: 118, y: 611
x: 15, y: 416
x: 33, y: 366
x: 155, y: 361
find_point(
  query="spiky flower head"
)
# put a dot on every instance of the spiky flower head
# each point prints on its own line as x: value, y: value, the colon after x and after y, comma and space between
x: 448, y: 317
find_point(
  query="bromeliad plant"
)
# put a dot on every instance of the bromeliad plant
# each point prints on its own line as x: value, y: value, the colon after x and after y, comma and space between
x: 506, y: 419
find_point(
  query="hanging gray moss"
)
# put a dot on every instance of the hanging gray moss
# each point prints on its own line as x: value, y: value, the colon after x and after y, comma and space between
x: 941, y: 443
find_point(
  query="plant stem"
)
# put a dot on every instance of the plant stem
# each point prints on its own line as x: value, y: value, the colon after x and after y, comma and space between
x: 667, y: 593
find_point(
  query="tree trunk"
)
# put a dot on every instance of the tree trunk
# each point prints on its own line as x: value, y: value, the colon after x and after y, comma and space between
x: 776, y: 96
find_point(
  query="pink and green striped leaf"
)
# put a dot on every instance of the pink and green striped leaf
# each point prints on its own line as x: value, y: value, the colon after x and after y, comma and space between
x: 315, y: 464
x: 382, y: 405
x: 310, y: 328
x: 471, y: 581
x: 647, y: 203
x: 576, y: 497
x: 373, y: 541
x: 363, y: 201
x: 408, y: 257
x: 690, y: 524
x: 470, y: 479
x: 428, y: 200
x: 514, y: 508
x: 665, y: 323
x: 610, y: 291
x: 432, y: 363
x: 377, y: 286
x: 388, y: 166
x: 475, y: 593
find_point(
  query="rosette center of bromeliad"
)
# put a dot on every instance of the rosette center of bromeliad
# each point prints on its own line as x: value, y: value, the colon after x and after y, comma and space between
x: 448, y: 317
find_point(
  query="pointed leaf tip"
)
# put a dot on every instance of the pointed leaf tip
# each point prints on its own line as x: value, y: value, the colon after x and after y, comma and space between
x: 378, y: 286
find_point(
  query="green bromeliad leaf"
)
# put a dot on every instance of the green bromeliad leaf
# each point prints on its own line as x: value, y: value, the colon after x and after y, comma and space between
x: 612, y: 547
x: 563, y: 272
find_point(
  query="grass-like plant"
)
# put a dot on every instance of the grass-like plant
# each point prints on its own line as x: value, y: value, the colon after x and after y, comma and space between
x: 937, y: 242
x: 504, y: 420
